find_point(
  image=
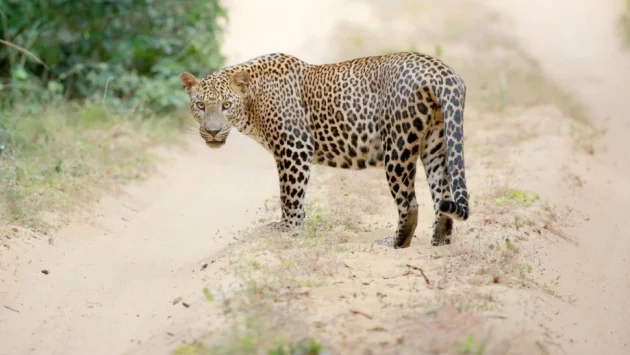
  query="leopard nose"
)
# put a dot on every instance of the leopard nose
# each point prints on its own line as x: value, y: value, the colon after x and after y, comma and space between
x: 211, y: 127
x: 213, y: 132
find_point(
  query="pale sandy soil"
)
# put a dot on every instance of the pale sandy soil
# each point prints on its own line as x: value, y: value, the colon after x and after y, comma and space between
x: 540, y: 268
x: 580, y: 49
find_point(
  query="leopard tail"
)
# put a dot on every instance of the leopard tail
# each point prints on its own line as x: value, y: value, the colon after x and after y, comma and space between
x: 452, y: 102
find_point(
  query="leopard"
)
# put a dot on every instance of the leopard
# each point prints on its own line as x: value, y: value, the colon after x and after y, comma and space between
x: 391, y: 111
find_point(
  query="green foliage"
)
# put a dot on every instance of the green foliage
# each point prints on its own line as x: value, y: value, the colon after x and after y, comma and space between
x: 137, y: 48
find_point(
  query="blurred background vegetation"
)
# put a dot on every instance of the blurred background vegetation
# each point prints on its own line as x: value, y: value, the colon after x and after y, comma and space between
x: 625, y: 24
x: 86, y: 87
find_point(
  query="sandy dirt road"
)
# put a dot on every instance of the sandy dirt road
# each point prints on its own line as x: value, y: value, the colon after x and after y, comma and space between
x: 112, y: 279
x: 577, y: 44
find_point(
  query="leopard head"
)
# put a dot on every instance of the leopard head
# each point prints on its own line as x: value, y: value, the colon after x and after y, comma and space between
x: 217, y: 103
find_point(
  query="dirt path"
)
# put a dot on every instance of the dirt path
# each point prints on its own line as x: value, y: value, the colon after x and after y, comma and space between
x: 111, y: 282
x: 577, y: 44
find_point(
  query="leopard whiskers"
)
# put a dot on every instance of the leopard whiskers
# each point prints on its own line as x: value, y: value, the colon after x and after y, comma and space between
x: 190, y: 129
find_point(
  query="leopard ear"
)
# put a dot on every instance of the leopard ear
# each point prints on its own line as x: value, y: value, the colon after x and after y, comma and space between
x: 188, y: 81
x: 240, y: 81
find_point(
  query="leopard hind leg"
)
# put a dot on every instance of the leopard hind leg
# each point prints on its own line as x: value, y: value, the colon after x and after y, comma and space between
x: 433, y: 156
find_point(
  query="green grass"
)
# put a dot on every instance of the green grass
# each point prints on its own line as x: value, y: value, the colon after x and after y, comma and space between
x: 255, y: 326
x: 57, y: 155
x: 317, y: 221
x: 190, y: 349
x: 516, y: 196
x: 470, y: 346
x: 251, y: 345
x: 504, y: 196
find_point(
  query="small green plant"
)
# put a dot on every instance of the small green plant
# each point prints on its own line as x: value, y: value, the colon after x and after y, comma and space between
x: 287, y: 263
x: 340, y: 248
x: 520, y: 197
x: 308, y: 347
x: 485, y: 306
x: 248, y: 344
x: 256, y: 265
x: 316, y: 222
x: 208, y: 294
x: 438, y: 51
x: 510, y: 246
x: 357, y: 43
x: 469, y: 347
x: 194, y: 348
x: 524, y: 268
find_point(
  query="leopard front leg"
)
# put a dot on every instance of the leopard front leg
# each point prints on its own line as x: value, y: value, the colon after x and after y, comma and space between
x: 294, y: 169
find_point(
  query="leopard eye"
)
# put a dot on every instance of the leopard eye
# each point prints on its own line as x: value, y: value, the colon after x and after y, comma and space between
x: 226, y: 105
x: 200, y: 105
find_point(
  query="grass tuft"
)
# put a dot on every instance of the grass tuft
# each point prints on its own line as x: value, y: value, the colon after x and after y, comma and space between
x: 516, y: 196
x: 470, y: 346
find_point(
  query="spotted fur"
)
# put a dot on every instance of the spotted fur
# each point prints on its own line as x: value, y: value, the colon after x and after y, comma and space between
x: 385, y: 111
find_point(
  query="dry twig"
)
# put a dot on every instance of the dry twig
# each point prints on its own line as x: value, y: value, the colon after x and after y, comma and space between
x: 426, y: 279
x: 355, y: 312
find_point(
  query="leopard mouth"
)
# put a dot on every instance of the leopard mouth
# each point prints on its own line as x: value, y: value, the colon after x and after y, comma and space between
x: 215, y: 144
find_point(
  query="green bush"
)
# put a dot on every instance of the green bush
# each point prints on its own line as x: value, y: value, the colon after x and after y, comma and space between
x: 136, y: 48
